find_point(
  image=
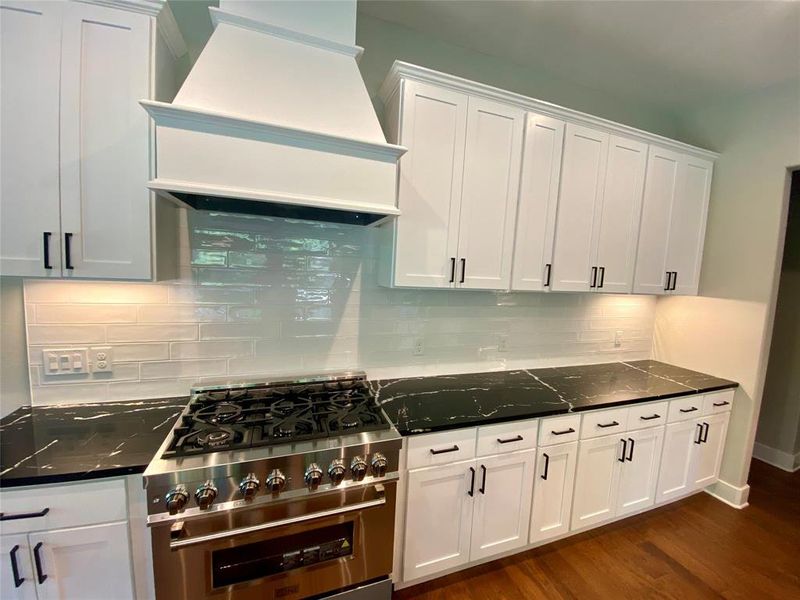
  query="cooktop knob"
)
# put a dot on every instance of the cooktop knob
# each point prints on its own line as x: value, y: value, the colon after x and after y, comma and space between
x: 249, y: 486
x: 336, y: 471
x: 313, y: 476
x: 176, y: 499
x: 358, y: 468
x: 205, y: 495
x: 275, y: 481
x: 379, y: 463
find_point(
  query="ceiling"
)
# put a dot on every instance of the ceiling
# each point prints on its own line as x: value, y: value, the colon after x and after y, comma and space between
x: 671, y: 54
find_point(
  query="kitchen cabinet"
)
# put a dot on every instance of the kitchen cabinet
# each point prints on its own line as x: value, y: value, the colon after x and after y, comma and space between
x: 707, y: 455
x: 458, y: 189
x: 538, y: 199
x: 502, y: 510
x: 673, y: 223
x: 639, y: 476
x: 552, y: 491
x: 75, y: 142
x: 16, y: 570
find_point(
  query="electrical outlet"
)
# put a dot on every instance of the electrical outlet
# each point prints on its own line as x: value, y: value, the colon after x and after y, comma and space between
x: 102, y: 358
x: 502, y: 343
x: 618, y: 338
x: 419, y: 347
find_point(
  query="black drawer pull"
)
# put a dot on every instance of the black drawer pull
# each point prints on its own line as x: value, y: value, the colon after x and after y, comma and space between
x: 594, y: 278
x: 446, y: 450
x: 33, y: 515
x: 46, y: 241
x: 548, y: 267
x: 452, y: 269
x: 471, y: 491
x: 705, y: 435
x: 688, y: 410
x: 651, y: 417
x: 674, y: 280
x: 602, y: 277
x: 546, y: 464
x: 699, y: 439
x: 723, y: 403
x: 519, y: 438
x: 604, y: 425
x: 624, y: 450
x: 68, y: 251
x: 15, y: 568
x: 40, y: 576
x: 463, y: 269
x: 566, y: 431
x: 482, y: 489
x: 630, y: 456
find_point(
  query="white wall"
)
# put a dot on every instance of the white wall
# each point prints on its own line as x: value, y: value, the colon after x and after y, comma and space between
x: 726, y: 330
x: 265, y: 296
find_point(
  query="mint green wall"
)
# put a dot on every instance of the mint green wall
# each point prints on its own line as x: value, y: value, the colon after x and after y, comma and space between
x: 14, y: 387
x: 383, y: 42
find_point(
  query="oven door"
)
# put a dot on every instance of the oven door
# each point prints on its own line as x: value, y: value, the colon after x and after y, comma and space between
x: 284, y: 550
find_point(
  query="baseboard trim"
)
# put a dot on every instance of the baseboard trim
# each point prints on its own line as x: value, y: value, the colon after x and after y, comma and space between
x: 777, y: 458
x: 730, y: 494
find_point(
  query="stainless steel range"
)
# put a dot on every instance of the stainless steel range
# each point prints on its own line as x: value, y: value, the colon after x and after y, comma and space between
x: 281, y: 489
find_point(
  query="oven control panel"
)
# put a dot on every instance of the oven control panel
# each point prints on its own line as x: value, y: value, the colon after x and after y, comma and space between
x: 315, y: 554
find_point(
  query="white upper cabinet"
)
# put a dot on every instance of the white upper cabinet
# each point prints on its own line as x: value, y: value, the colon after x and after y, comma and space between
x: 30, y: 228
x: 579, y: 203
x: 434, y: 124
x: 105, y: 203
x: 538, y: 198
x: 673, y: 223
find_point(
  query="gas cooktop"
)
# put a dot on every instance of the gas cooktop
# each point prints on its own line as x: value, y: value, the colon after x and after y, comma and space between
x: 260, y: 414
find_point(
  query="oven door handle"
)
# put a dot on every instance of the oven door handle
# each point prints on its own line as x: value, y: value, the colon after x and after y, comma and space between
x: 220, y: 535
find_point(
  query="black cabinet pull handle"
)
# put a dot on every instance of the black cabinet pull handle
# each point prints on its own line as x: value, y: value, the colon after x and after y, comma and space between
x: 723, y: 403
x: 519, y: 438
x: 463, y: 269
x: 651, y: 417
x: 699, y: 439
x: 630, y: 455
x: 570, y: 430
x: 68, y: 251
x: 33, y: 515
x: 624, y: 450
x: 602, y: 276
x: 688, y: 410
x: 40, y: 576
x: 46, y: 246
x: 674, y: 280
x: 15, y: 568
x: 669, y: 278
x: 705, y: 435
x: 445, y: 451
x: 471, y: 491
x: 482, y: 489
x: 546, y: 464
x: 547, y: 268
x: 594, y: 278
x: 452, y: 269
x: 604, y: 425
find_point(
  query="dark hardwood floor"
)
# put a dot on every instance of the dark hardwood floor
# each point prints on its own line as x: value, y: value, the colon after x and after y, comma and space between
x: 694, y: 548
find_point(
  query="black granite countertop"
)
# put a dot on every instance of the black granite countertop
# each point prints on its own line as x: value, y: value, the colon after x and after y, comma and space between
x: 425, y: 404
x: 51, y: 444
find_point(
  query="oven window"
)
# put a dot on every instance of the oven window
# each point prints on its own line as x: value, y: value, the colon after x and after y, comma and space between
x: 261, y: 559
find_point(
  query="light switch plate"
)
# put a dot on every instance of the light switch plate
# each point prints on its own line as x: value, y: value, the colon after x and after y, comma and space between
x: 64, y: 361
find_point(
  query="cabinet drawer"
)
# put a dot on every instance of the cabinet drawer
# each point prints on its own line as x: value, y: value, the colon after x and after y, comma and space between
x: 683, y: 409
x: 604, y: 422
x: 507, y: 437
x: 440, y: 448
x: 556, y: 430
x: 647, y: 415
x: 718, y: 402
x: 70, y: 505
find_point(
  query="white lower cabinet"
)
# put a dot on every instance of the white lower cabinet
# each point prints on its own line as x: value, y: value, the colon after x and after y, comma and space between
x: 639, y: 476
x: 707, y: 455
x: 16, y: 572
x: 552, y: 491
x: 597, y: 480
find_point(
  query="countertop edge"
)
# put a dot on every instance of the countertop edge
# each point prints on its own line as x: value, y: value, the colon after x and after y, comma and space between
x: 17, y: 482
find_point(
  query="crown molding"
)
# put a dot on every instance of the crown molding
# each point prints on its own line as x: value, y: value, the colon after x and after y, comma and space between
x: 146, y: 7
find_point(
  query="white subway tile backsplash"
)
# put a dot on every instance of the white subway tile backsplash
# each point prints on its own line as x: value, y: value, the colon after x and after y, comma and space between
x: 261, y: 296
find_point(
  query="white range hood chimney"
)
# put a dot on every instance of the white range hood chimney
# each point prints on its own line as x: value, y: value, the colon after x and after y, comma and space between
x: 275, y: 119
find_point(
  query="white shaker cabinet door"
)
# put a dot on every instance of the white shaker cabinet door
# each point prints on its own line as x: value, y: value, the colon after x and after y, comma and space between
x: 552, y: 491
x: 30, y: 49
x: 105, y: 143
x: 662, y: 187
x: 639, y: 477
x: 501, y: 517
x: 17, y: 578
x: 90, y: 563
x: 620, y: 213
x: 433, y: 126
x: 597, y: 480
x: 493, y: 154
x: 438, y: 519
x: 707, y: 455
x: 577, y: 221
x: 538, y: 199
x: 675, y: 476
x: 688, y: 226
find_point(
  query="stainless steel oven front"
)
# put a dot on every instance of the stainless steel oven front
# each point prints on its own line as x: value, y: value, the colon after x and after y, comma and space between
x: 283, y: 550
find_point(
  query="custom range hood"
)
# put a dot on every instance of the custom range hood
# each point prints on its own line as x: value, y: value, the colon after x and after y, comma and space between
x: 274, y: 119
